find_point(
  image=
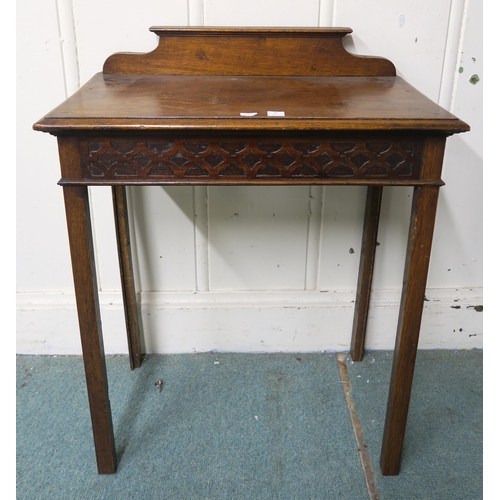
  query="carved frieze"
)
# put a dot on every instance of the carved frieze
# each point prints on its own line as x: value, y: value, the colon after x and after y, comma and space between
x: 212, y: 159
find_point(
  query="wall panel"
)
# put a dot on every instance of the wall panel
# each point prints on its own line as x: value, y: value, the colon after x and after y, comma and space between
x: 414, y: 36
x: 42, y: 250
x: 458, y: 253
x: 279, y: 275
x: 411, y: 34
x: 103, y: 28
x: 261, y: 13
x: 162, y: 222
x: 257, y: 237
x: 343, y: 213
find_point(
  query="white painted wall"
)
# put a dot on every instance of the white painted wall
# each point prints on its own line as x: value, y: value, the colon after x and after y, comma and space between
x: 247, y: 268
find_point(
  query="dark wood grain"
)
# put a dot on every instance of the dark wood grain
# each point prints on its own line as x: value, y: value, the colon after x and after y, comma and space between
x: 250, y: 51
x: 433, y: 157
x: 252, y: 157
x: 87, y: 301
x: 176, y: 102
x: 296, y: 181
x: 423, y: 215
x: 366, y: 264
x: 69, y: 157
x: 127, y: 275
x: 410, y: 314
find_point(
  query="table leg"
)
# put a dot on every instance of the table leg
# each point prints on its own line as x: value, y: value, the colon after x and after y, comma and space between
x: 367, y: 259
x: 127, y: 276
x: 87, y: 301
x: 418, y: 252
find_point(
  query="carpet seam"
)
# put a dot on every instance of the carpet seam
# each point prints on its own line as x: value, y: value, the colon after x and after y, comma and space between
x: 363, y: 451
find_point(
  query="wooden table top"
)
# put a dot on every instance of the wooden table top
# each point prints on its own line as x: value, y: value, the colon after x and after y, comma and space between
x: 208, y: 102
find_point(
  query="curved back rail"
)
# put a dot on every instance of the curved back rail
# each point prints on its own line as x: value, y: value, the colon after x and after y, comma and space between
x: 249, y: 52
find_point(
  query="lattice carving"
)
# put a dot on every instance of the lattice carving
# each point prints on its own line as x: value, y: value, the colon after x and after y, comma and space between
x: 110, y: 159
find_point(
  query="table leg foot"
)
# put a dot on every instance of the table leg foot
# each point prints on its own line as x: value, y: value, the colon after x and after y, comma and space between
x: 410, y: 314
x: 127, y: 275
x: 367, y: 259
x: 87, y: 302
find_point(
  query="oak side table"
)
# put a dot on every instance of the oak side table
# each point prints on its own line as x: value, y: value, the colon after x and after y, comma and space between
x: 250, y: 106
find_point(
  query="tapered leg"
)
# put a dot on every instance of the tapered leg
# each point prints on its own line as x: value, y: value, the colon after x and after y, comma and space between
x: 423, y: 216
x: 127, y: 276
x: 367, y: 259
x: 87, y: 301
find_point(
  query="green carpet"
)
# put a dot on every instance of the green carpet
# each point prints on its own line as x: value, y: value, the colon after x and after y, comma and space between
x: 442, y: 454
x: 246, y: 426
